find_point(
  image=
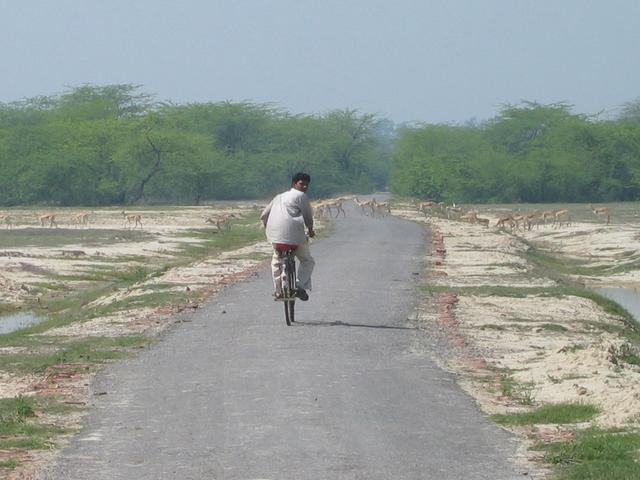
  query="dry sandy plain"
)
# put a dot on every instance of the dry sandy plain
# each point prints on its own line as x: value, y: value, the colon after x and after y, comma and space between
x: 513, y: 350
x: 551, y: 348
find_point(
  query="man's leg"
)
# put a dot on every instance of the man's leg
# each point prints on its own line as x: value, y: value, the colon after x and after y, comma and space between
x: 276, y: 271
x: 306, y: 266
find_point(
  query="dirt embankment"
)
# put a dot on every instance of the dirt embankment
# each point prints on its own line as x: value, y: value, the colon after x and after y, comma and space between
x: 515, y: 335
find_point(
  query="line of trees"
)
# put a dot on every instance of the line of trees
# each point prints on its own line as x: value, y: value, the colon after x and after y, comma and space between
x: 528, y: 153
x: 103, y: 145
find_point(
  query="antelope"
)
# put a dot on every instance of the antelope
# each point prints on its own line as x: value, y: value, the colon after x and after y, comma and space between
x: 483, y: 221
x: 48, y: 217
x: 506, y: 219
x: 548, y: 214
x: 429, y: 205
x: 561, y: 215
x: 471, y: 216
x: 132, y: 218
x: 222, y: 222
x: 7, y: 220
x: 517, y: 219
x: 368, y: 204
x: 601, y: 212
x: 383, y: 208
x: 337, y: 204
x: 81, y: 218
x: 530, y: 219
x: 319, y: 209
x: 453, y: 211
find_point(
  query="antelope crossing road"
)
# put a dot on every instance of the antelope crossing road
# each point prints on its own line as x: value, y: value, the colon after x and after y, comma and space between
x: 343, y: 394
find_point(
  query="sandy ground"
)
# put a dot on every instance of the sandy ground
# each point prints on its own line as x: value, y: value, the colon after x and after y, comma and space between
x: 556, y: 349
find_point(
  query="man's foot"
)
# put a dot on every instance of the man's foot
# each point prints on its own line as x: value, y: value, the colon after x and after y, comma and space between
x: 302, y: 295
x: 277, y: 296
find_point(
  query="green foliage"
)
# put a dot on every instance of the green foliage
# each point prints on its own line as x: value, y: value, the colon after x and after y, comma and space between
x: 18, y: 430
x: 9, y: 464
x: 15, y: 409
x: 553, y: 413
x: 101, y: 145
x: 528, y: 153
x: 596, y: 454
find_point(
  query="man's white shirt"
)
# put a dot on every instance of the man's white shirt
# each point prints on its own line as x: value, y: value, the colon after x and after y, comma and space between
x: 286, y: 217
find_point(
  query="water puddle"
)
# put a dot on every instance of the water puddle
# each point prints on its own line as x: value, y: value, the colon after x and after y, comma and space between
x: 17, y: 321
x: 627, y: 297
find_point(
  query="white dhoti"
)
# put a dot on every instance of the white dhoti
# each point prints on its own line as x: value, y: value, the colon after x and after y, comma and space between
x: 304, y: 270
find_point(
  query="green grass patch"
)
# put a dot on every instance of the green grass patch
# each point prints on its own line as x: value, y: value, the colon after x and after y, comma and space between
x: 491, y: 326
x: 624, y: 353
x: 16, y: 409
x: 559, y: 413
x: 240, y: 235
x: 493, y: 291
x: 596, y: 455
x: 60, y: 237
x: 90, y: 351
x: 554, y: 327
x: 10, y: 464
x: 507, y: 386
x: 154, y: 299
x: 18, y: 428
x: 574, y: 348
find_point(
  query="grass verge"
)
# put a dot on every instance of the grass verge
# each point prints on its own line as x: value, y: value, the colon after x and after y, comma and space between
x: 20, y: 428
x: 559, y: 413
x: 596, y: 454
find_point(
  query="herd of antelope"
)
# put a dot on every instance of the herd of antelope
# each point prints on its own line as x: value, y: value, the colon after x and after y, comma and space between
x: 130, y: 220
x: 373, y: 208
x: 335, y: 207
x: 556, y: 218
x: 81, y: 219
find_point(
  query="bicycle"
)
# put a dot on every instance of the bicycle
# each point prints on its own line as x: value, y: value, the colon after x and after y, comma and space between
x: 288, y: 279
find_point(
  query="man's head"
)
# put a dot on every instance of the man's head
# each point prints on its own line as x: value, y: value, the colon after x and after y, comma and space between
x: 300, y: 181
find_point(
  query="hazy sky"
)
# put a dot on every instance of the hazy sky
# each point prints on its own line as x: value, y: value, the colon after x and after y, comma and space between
x: 408, y: 60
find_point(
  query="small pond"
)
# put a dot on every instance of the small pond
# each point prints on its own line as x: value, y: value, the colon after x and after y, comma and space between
x: 629, y: 298
x: 17, y: 321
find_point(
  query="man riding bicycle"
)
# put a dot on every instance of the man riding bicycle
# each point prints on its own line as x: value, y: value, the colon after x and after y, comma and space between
x: 285, y: 219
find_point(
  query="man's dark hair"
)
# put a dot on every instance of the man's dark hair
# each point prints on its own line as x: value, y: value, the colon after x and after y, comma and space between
x: 300, y: 176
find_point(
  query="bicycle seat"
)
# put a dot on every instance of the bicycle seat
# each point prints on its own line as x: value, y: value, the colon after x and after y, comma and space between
x: 284, y: 247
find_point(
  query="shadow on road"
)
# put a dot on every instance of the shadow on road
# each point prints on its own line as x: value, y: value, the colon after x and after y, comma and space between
x: 345, y: 324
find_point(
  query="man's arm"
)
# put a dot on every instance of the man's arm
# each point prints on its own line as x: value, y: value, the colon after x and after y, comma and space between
x: 307, y: 214
x: 264, y: 216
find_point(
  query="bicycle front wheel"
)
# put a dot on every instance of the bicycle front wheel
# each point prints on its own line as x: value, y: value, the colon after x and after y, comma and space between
x: 289, y: 311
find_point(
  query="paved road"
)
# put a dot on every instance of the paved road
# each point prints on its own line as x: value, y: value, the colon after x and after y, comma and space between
x: 236, y: 394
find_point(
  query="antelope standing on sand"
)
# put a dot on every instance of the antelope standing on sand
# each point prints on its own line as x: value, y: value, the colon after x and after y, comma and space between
x: 222, y: 222
x: 132, y: 218
x: 81, y: 219
x: 601, y: 212
x: 561, y: 216
x: 48, y: 217
x: 7, y: 220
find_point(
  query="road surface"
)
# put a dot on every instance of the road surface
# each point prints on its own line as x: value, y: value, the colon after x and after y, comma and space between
x: 236, y: 394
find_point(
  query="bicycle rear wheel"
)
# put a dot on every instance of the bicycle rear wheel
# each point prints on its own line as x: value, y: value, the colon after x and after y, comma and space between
x: 288, y: 287
x: 289, y: 311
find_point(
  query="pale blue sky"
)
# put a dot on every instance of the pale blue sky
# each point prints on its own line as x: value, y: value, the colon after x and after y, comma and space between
x: 408, y: 60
